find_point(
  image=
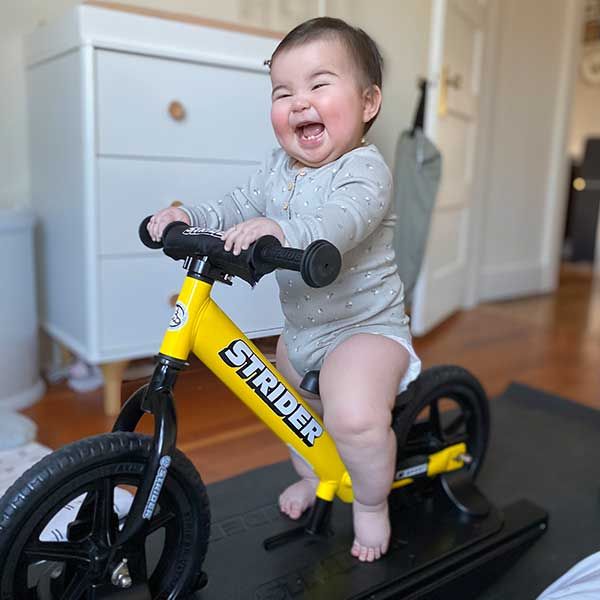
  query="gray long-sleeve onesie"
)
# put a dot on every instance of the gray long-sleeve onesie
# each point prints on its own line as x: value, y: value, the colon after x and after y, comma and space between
x: 347, y: 202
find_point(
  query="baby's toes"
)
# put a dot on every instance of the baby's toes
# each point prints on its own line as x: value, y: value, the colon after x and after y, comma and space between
x: 359, y: 551
x: 364, y: 553
x: 295, y: 510
x: 284, y: 505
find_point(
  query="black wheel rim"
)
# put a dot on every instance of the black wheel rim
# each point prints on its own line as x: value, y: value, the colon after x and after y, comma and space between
x: 68, y: 570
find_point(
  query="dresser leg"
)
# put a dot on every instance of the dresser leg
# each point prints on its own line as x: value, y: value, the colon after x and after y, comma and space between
x: 113, y: 378
x: 66, y: 356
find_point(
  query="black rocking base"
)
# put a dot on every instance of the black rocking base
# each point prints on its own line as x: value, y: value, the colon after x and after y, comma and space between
x: 437, y: 550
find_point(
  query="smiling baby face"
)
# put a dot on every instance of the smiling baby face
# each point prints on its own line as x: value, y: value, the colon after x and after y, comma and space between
x: 320, y: 103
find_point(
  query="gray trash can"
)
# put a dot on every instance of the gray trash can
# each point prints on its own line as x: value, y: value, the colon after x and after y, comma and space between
x: 20, y: 382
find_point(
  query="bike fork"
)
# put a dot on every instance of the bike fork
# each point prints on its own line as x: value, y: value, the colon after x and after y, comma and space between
x: 155, y: 398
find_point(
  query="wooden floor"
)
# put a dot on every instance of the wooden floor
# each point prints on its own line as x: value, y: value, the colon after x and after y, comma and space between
x: 551, y: 342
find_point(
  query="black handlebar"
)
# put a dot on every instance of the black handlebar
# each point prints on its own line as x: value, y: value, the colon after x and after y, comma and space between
x: 319, y: 264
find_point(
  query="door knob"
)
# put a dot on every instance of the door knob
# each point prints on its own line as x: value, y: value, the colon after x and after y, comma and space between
x: 446, y: 81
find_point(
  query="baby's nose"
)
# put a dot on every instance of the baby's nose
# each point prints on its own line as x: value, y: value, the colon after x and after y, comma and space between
x: 300, y: 103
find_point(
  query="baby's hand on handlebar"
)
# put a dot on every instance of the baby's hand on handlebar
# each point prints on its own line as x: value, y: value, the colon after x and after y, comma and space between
x: 162, y: 218
x: 239, y: 237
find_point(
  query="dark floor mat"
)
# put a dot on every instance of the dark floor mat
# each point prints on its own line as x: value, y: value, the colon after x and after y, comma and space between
x: 546, y: 449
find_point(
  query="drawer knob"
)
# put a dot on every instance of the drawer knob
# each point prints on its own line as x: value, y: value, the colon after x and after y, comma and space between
x: 177, y: 110
x: 176, y: 203
x: 173, y: 299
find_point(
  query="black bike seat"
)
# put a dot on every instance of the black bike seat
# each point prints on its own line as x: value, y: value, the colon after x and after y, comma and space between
x: 310, y: 382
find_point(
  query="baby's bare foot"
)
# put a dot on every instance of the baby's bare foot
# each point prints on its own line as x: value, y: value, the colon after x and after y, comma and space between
x: 295, y: 499
x: 372, y: 531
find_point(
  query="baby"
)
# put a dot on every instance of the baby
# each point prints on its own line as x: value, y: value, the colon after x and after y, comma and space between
x: 326, y: 182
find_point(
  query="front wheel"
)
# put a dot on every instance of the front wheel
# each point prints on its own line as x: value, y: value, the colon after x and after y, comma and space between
x: 445, y: 405
x: 59, y: 522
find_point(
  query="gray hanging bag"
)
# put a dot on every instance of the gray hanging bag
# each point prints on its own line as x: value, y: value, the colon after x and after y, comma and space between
x: 417, y: 173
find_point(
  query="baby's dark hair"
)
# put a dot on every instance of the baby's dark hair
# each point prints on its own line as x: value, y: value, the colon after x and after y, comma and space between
x: 361, y: 46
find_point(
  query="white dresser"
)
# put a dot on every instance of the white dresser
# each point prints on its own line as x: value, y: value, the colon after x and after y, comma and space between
x: 128, y: 114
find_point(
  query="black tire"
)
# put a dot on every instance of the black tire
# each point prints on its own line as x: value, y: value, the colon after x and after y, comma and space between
x: 423, y: 427
x: 169, y: 557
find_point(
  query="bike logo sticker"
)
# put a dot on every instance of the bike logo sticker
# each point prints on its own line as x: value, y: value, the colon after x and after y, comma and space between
x: 179, y: 318
x: 202, y: 231
x: 411, y: 472
x: 161, y: 475
x: 267, y: 387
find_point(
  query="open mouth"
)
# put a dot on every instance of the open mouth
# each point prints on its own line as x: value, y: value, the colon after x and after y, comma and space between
x: 310, y: 131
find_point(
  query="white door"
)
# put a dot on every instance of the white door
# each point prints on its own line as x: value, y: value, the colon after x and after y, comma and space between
x: 455, y: 64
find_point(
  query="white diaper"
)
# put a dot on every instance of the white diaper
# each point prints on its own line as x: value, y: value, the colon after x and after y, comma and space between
x: 414, y: 365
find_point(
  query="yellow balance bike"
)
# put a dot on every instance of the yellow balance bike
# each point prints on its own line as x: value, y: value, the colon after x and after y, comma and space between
x: 126, y: 516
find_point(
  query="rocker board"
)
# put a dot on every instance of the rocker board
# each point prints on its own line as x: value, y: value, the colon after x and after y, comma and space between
x: 436, y: 551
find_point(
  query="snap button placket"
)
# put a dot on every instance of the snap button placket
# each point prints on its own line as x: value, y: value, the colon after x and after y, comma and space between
x: 292, y: 186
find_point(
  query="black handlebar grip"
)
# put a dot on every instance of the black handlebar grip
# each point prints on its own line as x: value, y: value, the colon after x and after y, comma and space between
x: 271, y: 251
x: 321, y: 264
x: 145, y: 236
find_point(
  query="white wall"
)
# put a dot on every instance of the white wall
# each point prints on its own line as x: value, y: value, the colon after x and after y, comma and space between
x: 402, y: 31
x: 585, y: 117
x: 16, y: 18
x: 525, y: 202
x: 400, y: 27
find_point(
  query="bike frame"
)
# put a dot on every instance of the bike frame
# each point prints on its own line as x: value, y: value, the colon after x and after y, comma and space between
x: 198, y: 325
x: 202, y: 327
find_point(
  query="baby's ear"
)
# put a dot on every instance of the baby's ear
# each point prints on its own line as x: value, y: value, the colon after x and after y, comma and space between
x: 371, y: 102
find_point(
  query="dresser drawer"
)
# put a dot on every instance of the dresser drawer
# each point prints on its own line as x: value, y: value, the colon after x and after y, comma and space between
x: 129, y: 190
x: 161, y: 107
x: 136, y: 304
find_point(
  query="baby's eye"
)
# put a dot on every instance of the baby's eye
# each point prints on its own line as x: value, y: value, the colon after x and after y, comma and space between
x: 319, y: 85
x: 280, y: 96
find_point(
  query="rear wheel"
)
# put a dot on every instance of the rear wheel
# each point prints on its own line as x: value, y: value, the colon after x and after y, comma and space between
x: 444, y: 406
x: 60, y: 520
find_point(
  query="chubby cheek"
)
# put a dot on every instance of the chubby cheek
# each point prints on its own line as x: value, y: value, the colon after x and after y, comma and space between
x: 339, y: 115
x: 279, y: 121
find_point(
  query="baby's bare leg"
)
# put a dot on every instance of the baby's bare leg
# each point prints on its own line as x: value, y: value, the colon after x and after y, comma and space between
x: 358, y: 384
x: 296, y: 498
